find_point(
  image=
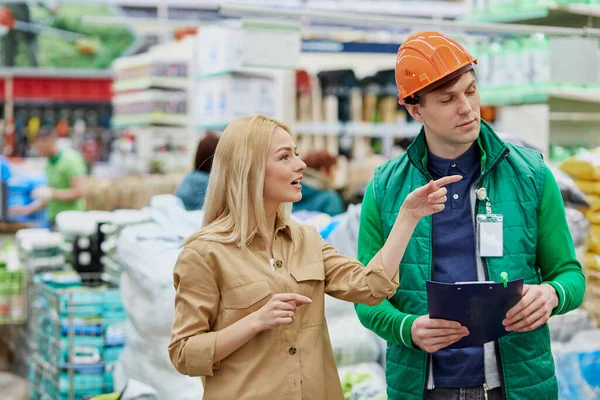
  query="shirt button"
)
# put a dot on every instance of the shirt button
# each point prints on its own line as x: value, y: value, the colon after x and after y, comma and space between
x: 453, y: 165
x: 278, y: 263
x: 455, y: 197
x: 292, y: 351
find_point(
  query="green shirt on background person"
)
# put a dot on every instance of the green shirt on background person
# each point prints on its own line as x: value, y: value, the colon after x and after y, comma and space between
x: 60, y: 171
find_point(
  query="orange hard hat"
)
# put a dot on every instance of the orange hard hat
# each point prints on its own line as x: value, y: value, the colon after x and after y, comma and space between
x: 426, y: 58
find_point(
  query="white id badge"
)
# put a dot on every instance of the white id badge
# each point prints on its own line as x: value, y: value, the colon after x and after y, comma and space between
x: 490, y: 236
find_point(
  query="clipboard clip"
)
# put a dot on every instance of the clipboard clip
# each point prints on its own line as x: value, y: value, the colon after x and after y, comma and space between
x: 504, y: 278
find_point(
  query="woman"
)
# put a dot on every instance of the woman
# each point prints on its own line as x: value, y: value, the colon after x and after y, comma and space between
x: 317, y: 194
x: 193, y: 187
x: 250, y: 285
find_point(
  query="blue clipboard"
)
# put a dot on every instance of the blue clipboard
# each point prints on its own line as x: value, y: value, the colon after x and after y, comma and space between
x: 480, y: 306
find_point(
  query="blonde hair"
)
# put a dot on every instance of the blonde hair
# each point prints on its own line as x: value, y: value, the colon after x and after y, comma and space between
x: 234, y: 211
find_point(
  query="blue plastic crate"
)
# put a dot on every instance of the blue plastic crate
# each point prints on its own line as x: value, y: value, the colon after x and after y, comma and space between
x: 112, y: 354
x: 109, y: 382
x: 19, y: 194
x: 73, y: 300
x: 81, y: 382
x: 115, y: 334
x: 90, y: 327
x: 86, y: 349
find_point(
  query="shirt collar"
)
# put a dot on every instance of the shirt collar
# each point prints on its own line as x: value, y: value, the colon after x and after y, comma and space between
x: 54, y: 159
x: 281, y: 225
x: 463, y: 163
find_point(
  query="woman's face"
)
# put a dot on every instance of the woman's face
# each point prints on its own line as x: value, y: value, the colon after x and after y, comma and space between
x: 283, y: 171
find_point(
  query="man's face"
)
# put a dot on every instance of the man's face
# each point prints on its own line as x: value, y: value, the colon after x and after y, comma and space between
x: 44, y: 146
x: 451, y: 115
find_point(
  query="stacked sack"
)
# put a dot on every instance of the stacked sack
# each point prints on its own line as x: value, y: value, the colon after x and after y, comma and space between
x: 359, y: 356
x: 576, y: 351
x: 147, y: 252
x: 584, y: 168
x: 129, y: 192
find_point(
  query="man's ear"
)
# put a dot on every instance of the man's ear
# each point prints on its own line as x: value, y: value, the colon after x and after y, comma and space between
x: 415, y: 111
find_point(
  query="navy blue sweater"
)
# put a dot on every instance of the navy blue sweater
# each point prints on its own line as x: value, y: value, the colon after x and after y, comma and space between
x: 454, y: 252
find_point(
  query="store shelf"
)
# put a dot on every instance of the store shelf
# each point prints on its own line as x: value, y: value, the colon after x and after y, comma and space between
x: 574, y: 116
x: 572, y: 15
x: 535, y: 94
x: 330, y: 46
x: 55, y: 73
x: 319, y: 128
x: 213, y: 127
x: 150, y: 82
x: 122, y: 121
x: 380, y: 130
x: 587, y: 95
x: 425, y: 8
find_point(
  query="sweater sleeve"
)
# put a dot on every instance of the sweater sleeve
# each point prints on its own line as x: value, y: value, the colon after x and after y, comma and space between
x: 384, y: 319
x: 555, y: 254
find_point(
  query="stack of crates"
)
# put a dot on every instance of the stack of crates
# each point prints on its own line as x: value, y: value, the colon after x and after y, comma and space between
x: 12, y: 297
x: 12, y: 286
x: 19, y: 194
x: 78, y: 335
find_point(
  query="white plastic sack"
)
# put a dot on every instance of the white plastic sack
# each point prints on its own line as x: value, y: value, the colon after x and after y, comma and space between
x: 352, y: 343
x: 168, y: 385
x: 335, y: 308
x: 564, y: 327
x: 153, y: 349
x: 137, y: 391
x: 578, y: 225
x: 363, y: 382
x: 13, y: 387
x: 148, y: 254
x: 150, y: 312
x: 344, y: 236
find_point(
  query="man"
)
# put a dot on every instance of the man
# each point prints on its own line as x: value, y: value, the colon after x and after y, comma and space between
x: 65, y: 171
x: 437, y: 84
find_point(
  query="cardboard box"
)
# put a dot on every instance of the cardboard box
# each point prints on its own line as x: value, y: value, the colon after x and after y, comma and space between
x: 222, y: 98
x: 247, y: 44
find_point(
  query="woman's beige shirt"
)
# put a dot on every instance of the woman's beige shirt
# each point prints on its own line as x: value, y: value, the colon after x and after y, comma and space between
x: 217, y: 285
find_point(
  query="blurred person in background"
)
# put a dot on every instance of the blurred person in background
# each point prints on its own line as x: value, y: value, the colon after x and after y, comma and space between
x: 66, y: 174
x: 317, y: 192
x: 193, y: 187
x: 5, y: 172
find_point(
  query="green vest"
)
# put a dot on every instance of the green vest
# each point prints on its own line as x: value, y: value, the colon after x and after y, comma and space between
x: 514, y: 179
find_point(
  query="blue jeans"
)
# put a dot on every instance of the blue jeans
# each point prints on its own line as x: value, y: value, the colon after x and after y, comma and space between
x: 474, y: 393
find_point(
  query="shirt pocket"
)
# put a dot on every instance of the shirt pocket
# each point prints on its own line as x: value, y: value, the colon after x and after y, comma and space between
x: 243, y: 300
x: 311, y: 281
